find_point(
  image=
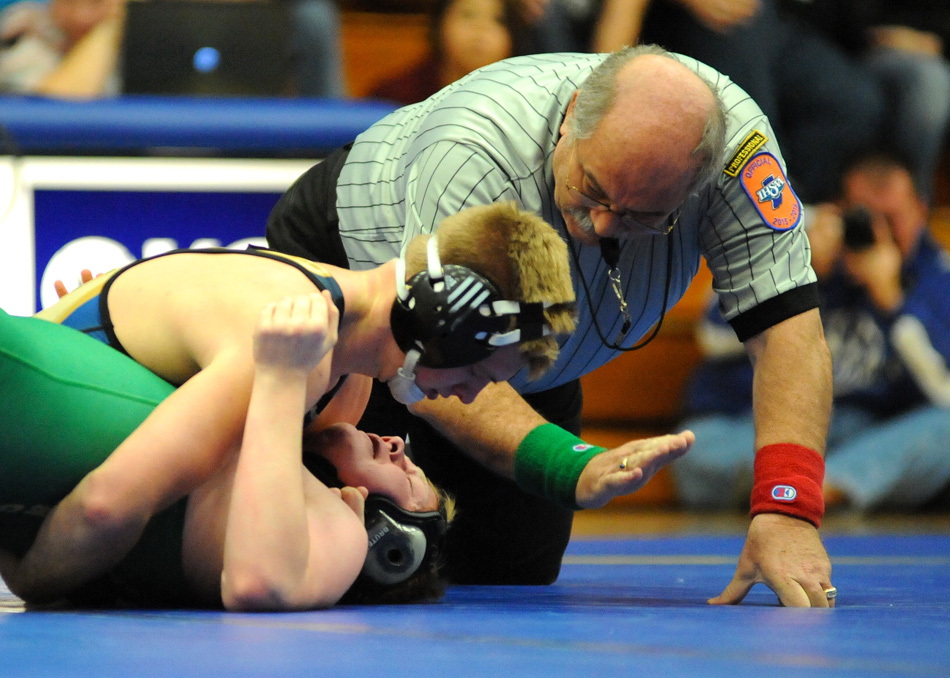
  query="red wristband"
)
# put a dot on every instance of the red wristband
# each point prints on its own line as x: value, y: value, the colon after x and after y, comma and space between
x: 788, y: 479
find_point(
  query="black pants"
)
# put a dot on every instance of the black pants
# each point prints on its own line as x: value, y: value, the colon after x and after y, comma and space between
x: 501, y: 535
x: 304, y: 221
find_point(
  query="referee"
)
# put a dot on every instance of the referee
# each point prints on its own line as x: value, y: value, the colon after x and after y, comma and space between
x: 645, y: 162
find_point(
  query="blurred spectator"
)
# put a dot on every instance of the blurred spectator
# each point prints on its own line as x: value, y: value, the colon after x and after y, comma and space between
x: 822, y: 104
x: 902, y: 43
x: 886, y: 312
x: 463, y: 35
x: 583, y: 25
x: 62, y: 48
x: 70, y: 48
x: 832, y: 75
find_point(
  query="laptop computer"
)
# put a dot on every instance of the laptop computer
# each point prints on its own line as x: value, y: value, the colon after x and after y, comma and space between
x: 207, y: 47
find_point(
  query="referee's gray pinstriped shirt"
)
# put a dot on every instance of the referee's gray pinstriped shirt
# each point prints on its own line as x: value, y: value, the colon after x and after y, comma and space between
x: 491, y: 136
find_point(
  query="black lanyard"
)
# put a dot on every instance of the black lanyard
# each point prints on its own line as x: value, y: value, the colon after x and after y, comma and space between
x: 610, y: 252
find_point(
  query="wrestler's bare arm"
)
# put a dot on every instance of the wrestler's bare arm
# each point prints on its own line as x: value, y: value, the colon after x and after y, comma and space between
x: 291, y: 542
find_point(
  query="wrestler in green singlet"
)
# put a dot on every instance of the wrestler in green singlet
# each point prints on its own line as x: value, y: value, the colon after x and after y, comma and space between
x: 67, y: 402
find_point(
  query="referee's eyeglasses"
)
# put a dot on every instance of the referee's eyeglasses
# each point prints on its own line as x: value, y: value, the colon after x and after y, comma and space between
x: 626, y: 218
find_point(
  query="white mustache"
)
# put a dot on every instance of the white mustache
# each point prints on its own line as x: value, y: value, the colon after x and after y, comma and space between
x: 582, y: 219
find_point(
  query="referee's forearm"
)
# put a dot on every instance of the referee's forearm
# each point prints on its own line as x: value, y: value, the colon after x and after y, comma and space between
x: 792, y: 388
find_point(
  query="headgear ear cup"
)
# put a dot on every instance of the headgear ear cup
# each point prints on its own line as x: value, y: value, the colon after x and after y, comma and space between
x: 395, y: 551
x: 400, y: 542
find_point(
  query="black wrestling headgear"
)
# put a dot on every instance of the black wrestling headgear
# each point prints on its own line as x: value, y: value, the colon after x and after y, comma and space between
x: 451, y: 316
x: 401, y: 542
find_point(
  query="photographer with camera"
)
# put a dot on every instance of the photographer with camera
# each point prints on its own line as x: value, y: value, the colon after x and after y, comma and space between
x: 885, y: 307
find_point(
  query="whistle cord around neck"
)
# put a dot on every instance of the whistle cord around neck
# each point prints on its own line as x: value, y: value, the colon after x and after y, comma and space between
x: 614, y: 250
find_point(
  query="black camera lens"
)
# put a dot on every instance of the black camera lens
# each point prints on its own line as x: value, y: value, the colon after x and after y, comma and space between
x: 858, y: 234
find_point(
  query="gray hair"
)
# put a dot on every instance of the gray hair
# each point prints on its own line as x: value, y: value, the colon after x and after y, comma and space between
x: 596, y: 97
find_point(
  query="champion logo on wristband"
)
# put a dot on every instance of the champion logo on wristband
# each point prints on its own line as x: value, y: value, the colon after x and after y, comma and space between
x: 784, y: 493
x: 787, y: 479
x: 549, y: 462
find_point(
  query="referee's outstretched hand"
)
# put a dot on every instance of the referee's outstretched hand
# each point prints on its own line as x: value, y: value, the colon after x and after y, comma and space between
x: 627, y: 468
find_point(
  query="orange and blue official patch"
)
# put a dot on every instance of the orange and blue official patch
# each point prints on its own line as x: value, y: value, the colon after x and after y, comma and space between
x: 765, y: 183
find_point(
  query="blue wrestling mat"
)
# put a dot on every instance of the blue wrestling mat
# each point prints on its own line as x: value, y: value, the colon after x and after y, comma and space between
x: 622, y: 607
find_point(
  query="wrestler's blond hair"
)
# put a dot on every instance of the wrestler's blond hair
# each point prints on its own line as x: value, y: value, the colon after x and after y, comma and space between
x: 518, y: 251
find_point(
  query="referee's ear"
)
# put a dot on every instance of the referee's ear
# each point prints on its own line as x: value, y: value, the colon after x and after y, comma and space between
x: 568, y: 113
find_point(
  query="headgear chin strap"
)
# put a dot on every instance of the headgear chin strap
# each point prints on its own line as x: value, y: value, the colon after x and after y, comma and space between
x: 400, y: 542
x: 451, y: 316
x: 403, y: 386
